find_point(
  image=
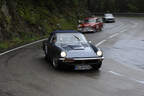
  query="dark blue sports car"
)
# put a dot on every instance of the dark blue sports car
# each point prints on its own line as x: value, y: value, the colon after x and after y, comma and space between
x: 71, y: 48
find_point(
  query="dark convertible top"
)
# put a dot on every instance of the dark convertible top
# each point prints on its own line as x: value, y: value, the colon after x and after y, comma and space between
x: 65, y: 31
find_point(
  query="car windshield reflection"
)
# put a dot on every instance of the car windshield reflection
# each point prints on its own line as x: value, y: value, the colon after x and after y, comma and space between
x: 70, y: 38
x: 90, y: 21
x: 108, y: 15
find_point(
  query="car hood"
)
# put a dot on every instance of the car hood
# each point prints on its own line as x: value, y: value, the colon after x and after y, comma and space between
x: 79, y: 50
x: 88, y: 24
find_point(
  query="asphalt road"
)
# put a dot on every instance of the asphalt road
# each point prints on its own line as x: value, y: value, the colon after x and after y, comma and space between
x: 26, y: 73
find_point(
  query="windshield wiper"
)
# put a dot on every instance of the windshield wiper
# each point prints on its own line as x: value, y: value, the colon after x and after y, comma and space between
x: 77, y: 38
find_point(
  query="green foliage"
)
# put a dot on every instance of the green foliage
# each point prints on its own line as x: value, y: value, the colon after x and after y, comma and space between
x: 65, y: 24
x: 116, y: 5
x: 16, y: 39
x: 29, y: 15
x: 3, y: 45
x: 132, y: 8
x: 8, y: 19
x: 31, y: 20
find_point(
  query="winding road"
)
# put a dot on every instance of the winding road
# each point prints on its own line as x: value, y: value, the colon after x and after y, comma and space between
x: 25, y: 72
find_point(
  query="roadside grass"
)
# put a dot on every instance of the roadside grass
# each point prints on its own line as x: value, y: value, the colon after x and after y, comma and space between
x: 5, y: 45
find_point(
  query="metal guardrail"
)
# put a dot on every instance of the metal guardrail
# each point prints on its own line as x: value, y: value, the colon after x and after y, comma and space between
x: 129, y: 14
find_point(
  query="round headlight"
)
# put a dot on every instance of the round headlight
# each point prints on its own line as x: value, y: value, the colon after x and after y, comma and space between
x: 79, y: 25
x: 63, y: 54
x: 99, y: 53
x: 79, y: 29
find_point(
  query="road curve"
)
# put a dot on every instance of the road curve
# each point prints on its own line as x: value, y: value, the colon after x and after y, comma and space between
x: 25, y: 72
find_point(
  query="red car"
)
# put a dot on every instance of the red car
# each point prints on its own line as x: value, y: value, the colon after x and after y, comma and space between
x: 91, y: 24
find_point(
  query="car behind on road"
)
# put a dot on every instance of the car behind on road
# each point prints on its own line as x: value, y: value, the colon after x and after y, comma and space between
x: 68, y: 47
x: 90, y: 24
x: 108, y: 18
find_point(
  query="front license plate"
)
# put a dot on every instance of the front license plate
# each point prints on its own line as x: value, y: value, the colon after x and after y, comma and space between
x: 82, y: 67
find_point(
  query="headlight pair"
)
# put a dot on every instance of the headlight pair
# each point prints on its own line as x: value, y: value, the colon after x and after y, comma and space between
x: 63, y: 54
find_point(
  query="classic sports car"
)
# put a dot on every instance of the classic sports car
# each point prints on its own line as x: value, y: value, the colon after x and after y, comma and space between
x: 71, y: 48
x: 91, y: 24
x: 108, y: 18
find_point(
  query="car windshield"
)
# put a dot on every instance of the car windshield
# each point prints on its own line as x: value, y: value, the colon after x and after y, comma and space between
x: 90, y: 20
x: 108, y: 15
x: 70, y: 38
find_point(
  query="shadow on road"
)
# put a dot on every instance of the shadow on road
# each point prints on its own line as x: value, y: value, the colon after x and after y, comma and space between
x: 67, y: 69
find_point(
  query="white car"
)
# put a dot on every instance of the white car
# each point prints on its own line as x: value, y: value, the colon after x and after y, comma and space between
x: 108, y: 18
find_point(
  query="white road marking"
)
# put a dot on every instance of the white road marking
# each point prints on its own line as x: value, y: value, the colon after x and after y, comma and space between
x: 138, y: 81
x: 131, y: 79
x: 142, y: 82
x: 101, y: 42
x: 21, y: 47
x: 115, y: 73
x: 114, y: 35
x: 123, y: 31
x: 110, y: 37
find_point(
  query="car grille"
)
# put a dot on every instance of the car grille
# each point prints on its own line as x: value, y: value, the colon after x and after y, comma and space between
x: 84, y: 62
x: 110, y: 19
x: 88, y: 28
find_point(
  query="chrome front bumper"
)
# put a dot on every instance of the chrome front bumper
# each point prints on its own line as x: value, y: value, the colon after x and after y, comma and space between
x: 88, y: 29
x: 96, y: 58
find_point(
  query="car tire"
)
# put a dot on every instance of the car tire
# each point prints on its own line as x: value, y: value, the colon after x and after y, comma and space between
x: 94, y: 31
x: 46, y: 53
x: 55, y: 64
x: 100, y: 29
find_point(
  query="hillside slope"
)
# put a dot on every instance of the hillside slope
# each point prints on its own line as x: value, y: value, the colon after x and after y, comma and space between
x: 23, y: 21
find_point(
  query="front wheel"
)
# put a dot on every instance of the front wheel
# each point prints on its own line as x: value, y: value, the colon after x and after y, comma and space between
x: 55, y: 64
x: 100, y: 29
x: 46, y: 53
